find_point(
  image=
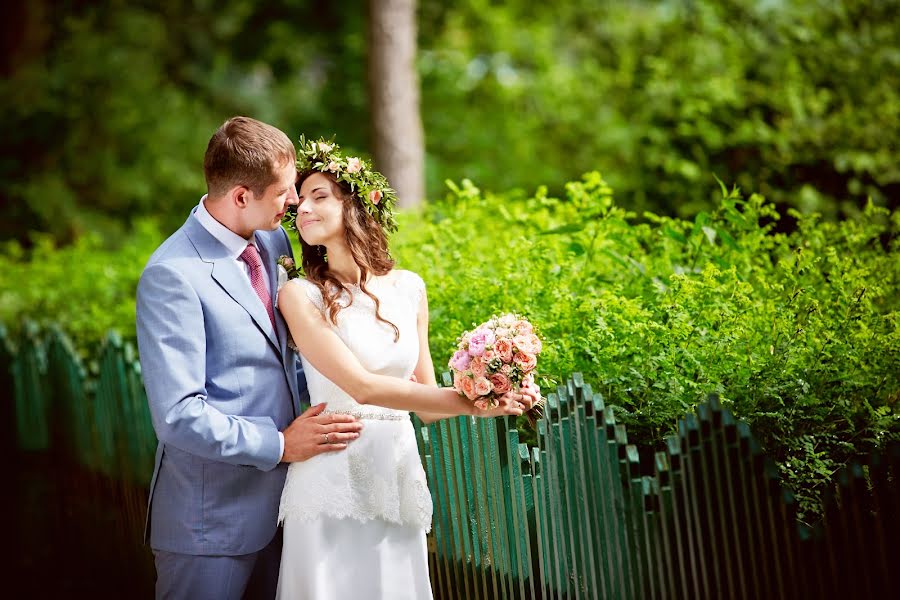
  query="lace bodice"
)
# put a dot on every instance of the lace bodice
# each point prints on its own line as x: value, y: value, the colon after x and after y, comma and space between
x: 380, y: 475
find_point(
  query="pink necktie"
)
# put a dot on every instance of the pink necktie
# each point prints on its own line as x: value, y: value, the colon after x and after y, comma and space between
x: 250, y: 255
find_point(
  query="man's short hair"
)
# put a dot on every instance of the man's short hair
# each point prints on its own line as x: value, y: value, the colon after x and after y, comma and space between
x: 244, y: 151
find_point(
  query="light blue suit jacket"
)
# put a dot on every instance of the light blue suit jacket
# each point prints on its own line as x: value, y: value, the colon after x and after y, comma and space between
x: 221, y: 384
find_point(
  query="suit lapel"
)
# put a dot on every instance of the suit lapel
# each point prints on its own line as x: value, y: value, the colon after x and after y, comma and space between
x: 268, y: 258
x: 226, y: 272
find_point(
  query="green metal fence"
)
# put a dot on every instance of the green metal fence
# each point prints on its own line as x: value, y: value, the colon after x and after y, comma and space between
x: 576, y: 516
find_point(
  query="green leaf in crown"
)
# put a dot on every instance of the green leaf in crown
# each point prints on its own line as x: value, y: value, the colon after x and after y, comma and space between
x: 370, y: 186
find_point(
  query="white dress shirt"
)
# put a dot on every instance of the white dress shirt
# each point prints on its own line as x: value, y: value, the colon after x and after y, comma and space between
x: 235, y: 245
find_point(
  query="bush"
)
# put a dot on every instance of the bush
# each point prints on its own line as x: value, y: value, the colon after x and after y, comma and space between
x: 797, y: 333
x: 85, y: 288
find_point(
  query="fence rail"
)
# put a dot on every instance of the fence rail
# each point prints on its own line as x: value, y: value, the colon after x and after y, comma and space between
x: 576, y: 516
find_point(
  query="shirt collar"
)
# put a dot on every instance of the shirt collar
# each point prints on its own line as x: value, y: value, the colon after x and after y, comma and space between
x: 232, y: 241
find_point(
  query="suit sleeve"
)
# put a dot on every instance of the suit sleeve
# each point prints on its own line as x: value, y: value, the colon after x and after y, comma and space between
x: 172, y: 346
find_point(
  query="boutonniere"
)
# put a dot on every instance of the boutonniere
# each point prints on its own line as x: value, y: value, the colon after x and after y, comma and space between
x: 287, y: 269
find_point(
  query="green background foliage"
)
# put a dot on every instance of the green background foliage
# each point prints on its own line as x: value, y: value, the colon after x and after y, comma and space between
x: 109, y: 105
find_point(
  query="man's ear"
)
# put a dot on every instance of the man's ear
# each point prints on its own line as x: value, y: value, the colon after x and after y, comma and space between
x: 240, y: 196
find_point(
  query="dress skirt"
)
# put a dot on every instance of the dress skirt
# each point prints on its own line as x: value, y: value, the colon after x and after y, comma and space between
x: 347, y: 559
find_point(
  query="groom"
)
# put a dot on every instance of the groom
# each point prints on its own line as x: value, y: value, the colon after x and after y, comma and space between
x: 223, y: 388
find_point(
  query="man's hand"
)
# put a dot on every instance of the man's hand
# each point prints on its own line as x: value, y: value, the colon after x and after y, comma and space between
x: 313, y: 433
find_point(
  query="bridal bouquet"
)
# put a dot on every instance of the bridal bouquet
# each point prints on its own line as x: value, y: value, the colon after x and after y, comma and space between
x: 496, y: 357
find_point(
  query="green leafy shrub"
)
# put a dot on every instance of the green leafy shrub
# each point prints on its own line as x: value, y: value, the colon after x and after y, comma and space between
x: 797, y: 333
x: 84, y: 287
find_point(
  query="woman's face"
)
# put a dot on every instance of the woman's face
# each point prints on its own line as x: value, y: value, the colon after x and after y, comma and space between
x: 320, y: 214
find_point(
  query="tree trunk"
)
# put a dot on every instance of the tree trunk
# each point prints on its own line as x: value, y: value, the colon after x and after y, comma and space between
x: 397, y: 138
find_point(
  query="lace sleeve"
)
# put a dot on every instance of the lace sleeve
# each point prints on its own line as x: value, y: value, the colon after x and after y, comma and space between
x: 414, y: 286
x: 312, y: 291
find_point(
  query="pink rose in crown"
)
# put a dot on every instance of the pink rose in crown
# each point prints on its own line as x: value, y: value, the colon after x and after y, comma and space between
x: 325, y: 147
x: 333, y: 167
x: 354, y: 165
x: 375, y: 196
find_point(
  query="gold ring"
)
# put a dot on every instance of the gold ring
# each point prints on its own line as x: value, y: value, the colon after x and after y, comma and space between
x: 326, y: 438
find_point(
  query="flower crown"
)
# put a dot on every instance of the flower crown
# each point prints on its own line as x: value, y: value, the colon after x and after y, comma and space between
x: 370, y: 186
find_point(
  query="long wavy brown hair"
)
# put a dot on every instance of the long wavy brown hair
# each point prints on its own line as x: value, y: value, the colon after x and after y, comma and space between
x: 368, y: 246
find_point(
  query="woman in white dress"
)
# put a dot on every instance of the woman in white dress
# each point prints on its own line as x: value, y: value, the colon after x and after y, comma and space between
x: 355, y: 521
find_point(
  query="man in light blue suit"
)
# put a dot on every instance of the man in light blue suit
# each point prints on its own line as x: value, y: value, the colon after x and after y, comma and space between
x: 223, y: 387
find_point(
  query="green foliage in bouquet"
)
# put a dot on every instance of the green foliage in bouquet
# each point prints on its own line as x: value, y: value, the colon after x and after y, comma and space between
x: 797, y: 333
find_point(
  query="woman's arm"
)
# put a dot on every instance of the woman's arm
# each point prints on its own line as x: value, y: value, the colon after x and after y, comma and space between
x: 331, y: 357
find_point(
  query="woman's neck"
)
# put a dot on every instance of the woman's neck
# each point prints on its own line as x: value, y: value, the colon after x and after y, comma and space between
x: 342, y: 265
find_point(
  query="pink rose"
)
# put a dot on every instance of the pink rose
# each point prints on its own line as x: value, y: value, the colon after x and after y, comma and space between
x: 354, y: 165
x: 523, y: 326
x: 482, y: 386
x: 333, y: 167
x: 457, y: 381
x: 468, y: 388
x: 506, y: 370
x: 488, y: 356
x: 478, y: 367
x: 526, y: 343
x: 504, y: 350
x: 482, y: 404
x: 375, y: 196
x: 460, y: 360
x: 526, y: 362
x: 324, y: 147
x: 500, y: 382
x: 287, y: 262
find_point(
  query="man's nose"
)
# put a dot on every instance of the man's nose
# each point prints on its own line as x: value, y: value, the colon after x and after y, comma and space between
x: 293, y: 199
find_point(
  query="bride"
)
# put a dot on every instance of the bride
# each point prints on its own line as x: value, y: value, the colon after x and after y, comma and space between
x: 355, y: 521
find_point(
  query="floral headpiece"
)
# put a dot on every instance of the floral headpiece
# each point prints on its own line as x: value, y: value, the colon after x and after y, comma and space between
x: 375, y: 195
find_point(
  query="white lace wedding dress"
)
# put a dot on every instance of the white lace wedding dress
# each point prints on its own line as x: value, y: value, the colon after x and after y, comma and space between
x: 355, y: 521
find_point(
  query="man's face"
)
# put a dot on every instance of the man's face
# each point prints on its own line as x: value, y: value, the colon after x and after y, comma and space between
x: 265, y: 211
